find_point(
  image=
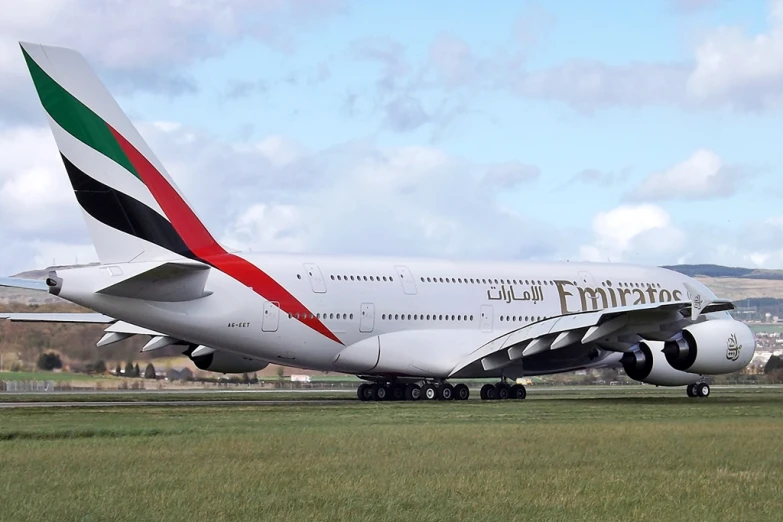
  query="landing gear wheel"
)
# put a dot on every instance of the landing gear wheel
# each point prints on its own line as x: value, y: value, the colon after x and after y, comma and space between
x: 517, y: 392
x: 446, y: 392
x: 398, y: 392
x: 485, y: 392
x: 461, y: 392
x: 703, y: 390
x: 691, y: 390
x: 412, y: 392
x: 363, y: 392
x: 429, y: 392
x: 501, y: 390
x: 378, y: 392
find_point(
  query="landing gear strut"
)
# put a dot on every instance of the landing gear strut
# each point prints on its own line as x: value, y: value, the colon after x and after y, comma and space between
x: 698, y: 390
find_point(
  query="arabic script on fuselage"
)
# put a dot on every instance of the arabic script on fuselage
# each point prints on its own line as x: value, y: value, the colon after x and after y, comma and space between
x: 575, y: 298
x: 534, y: 294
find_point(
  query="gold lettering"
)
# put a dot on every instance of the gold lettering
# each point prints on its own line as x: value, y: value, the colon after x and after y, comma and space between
x: 640, y: 299
x: 563, y: 294
x: 665, y: 296
x: 623, y: 292
x: 677, y: 295
x: 593, y: 294
x: 651, y: 293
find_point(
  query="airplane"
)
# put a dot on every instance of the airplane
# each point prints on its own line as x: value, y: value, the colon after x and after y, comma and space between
x: 409, y: 328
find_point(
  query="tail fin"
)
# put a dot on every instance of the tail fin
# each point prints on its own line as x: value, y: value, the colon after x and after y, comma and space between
x: 133, y: 210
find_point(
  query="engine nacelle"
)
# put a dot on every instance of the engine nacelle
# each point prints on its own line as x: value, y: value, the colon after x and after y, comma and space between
x: 646, y: 363
x: 227, y: 362
x: 711, y: 347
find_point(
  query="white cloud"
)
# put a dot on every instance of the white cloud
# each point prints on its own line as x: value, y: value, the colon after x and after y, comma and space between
x: 633, y: 233
x: 702, y: 176
x: 741, y: 69
x: 144, y: 43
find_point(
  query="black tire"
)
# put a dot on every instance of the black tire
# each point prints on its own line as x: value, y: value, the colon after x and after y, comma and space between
x: 501, y: 391
x: 691, y: 390
x: 703, y: 390
x: 412, y: 392
x: 398, y: 392
x: 492, y: 393
x: 383, y: 393
x: 485, y: 392
x: 363, y: 392
x: 429, y: 392
x: 461, y: 392
x: 517, y: 392
x: 446, y: 392
x: 373, y: 394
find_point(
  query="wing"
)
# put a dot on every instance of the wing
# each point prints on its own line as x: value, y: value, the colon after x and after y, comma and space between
x: 613, y: 329
x: 65, y: 317
x: 27, y: 284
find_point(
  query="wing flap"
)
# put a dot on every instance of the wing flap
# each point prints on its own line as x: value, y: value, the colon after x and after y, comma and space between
x: 615, y: 329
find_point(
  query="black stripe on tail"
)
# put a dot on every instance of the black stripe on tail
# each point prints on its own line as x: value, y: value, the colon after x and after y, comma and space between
x: 121, y: 212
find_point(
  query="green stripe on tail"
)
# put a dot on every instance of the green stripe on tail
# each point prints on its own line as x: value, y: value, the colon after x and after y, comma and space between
x: 75, y: 117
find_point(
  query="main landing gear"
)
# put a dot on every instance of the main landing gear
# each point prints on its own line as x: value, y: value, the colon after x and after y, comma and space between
x: 699, y: 390
x: 502, y: 390
x: 429, y: 391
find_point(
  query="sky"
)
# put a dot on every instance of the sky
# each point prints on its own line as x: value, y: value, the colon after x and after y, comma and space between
x: 640, y: 132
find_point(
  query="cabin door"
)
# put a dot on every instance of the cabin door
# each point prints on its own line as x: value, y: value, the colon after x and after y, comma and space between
x: 271, y: 316
x: 367, y: 317
x: 485, y: 318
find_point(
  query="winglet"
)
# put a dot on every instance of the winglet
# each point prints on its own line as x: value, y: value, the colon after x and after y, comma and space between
x: 698, y: 302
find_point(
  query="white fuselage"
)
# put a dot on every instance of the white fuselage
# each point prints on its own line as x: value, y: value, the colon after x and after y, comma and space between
x: 358, y: 298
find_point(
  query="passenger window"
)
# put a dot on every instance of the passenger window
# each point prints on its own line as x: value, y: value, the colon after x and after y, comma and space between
x: 332, y: 278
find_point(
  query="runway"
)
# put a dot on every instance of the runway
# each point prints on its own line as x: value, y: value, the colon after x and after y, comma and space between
x: 112, y: 404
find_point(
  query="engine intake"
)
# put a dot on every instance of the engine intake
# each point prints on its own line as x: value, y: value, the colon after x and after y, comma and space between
x: 646, y: 363
x: 711, y: 347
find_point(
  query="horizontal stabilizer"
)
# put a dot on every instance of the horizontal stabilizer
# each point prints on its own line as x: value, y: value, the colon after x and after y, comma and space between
x: 27, y: 284
x: 168, y: 282
x: 65, y: 317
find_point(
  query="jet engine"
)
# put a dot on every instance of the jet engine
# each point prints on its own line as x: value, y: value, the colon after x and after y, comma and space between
x: 226, y: 362
x: 711, y: 347
x: 646, y: 363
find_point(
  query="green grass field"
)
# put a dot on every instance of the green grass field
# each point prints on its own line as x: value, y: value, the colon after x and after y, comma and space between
x: 612, y: 453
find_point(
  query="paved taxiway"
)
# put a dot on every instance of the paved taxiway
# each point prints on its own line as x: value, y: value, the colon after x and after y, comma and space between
x: 109, y: 404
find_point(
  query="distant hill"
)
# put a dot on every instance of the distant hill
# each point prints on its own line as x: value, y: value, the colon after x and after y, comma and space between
x: 727, y: 271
